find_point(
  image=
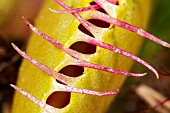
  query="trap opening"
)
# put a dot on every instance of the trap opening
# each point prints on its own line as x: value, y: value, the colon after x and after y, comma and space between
x: 59, y: 99
x: 99, y: 23
x: 83, y: 47
x: 84, y: 30
x: 72, y: 70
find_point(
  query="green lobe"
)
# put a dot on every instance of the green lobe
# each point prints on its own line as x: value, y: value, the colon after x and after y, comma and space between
x: 63, y: 27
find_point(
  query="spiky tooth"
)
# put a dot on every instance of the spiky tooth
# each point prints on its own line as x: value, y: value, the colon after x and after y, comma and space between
x: 77, y: 55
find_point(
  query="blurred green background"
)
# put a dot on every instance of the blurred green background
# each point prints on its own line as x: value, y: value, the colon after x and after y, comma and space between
x: 158, y: 56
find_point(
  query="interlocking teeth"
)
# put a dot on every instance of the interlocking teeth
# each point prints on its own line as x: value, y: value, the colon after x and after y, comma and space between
x: 81, y: 62
x: 101, y: 16
x: 109, y: 7
x: 43, y: 105
x: 79, y: 57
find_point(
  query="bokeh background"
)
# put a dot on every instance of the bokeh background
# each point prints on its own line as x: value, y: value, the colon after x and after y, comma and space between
x: 159, y: 57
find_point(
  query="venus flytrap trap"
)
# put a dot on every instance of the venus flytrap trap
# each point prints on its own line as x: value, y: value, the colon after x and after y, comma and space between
x: 60, y: 77
x: 75, y: 70
x: 109, y: 19
x: 93, y: 29
x: 77, y: 56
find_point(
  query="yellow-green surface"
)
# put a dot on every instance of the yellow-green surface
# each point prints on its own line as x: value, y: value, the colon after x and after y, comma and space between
x: 62, y: 27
